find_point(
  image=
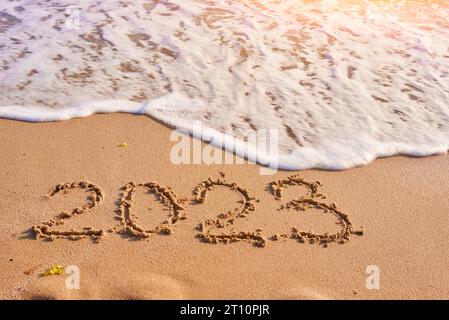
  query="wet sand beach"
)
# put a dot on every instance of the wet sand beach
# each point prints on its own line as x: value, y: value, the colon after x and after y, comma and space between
x: 234, y: 238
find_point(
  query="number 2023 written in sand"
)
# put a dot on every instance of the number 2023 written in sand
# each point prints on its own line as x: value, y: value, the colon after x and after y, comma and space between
x: 175, y: 207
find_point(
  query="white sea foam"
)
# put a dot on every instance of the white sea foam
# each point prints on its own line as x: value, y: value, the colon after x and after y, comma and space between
x: 344, y: 82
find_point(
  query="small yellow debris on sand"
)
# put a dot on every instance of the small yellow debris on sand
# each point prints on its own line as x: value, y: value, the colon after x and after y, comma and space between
x: 53, y: 271
x: 122, y: 145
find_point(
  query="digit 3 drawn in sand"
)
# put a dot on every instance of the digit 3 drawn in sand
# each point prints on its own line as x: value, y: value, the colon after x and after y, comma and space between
x: 341, y: 237
x: 307, y: 202
x: 276, y: 187
x: 96, y: 195
x: 227, y: 218
x: 165, y: 195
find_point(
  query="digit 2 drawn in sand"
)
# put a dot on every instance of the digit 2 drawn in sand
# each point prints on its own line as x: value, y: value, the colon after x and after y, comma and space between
x: 165, y: 195
x: 43, y: 230
x: 307, y: 202
x: 226, y: 218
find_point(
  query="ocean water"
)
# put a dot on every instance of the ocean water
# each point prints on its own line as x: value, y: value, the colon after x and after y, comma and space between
x: 343, y: 82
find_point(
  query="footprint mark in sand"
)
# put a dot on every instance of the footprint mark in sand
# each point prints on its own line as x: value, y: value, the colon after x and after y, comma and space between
x: 308, y: 202
x: 165, y: 195
x: 97, y: 195
x: 227, y: 218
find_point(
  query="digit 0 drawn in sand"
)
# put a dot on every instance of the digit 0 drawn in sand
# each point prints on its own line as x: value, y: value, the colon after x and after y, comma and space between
x: 97, y: 194
x: 164, y: 194
x: 227, y: 218
x: 308, y: 202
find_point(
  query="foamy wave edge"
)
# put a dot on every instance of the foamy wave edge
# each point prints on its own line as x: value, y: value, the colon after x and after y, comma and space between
x: 354, y: 152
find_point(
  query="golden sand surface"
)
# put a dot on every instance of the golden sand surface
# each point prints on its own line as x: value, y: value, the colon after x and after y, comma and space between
x: 100, y: 193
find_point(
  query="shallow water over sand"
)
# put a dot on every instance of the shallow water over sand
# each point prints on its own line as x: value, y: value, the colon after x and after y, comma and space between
x: 342, y: 81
